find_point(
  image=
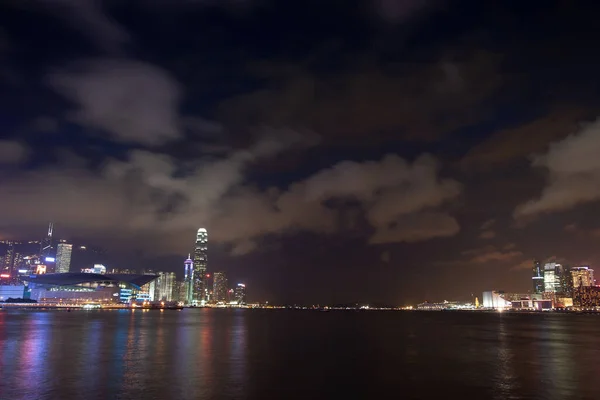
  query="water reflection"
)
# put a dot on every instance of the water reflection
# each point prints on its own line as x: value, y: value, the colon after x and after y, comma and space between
x: 228, y: 354
x: 505, y: 377
x: 557, y: 360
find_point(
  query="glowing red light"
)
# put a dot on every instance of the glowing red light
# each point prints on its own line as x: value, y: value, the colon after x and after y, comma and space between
x: 208, y: 275
x: 4, y: 276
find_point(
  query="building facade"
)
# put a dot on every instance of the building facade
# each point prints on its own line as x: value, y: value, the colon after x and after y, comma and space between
x: 200, y: 266
x: 537, y: 277
x: 240, y: 294
x: 63, y: 257
x: 164, y: 287
x: 582, y: 277
x: 219, y: 287
x: 552, y: 277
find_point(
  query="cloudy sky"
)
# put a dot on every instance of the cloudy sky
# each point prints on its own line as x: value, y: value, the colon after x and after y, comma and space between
x: 337, y: 151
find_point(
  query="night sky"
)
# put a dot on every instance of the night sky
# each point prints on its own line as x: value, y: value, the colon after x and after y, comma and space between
x: 336, y: 150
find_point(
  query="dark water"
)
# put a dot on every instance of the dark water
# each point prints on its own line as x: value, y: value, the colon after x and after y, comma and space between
x: 281, y: 354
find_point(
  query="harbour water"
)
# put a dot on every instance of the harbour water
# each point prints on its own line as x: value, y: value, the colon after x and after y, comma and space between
x: 285, y: 354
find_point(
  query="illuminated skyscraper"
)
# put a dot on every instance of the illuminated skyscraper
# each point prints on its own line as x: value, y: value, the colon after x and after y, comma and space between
x: 8, y: 260
x: 165, y: 284
x: 582, y: 277
x: 537, y: 277
x: 552, y: 277
x: 219, y: 287
x: 240, y: 294
x: 63, y: 257
x: 188, y: 281
x: 47, y: 254
x: 200, y: 264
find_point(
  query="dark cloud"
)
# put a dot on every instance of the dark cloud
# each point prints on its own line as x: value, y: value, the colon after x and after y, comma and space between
x: 12, y: 152
x: 489, y: 234
x: 521, y: 141
x: 412, y: 101
x: 90, y: 18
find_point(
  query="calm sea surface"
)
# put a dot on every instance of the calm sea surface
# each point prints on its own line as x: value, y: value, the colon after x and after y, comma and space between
x: 283, y: 354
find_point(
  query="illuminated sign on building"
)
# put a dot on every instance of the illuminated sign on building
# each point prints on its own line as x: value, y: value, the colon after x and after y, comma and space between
x: 50, y: 259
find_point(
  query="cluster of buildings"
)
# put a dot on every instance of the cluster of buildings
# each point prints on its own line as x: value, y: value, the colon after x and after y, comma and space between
x: 554, y: 286
x: 41, y: 271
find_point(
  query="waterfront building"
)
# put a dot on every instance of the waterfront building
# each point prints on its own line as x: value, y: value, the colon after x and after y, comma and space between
x: 81, y: 288
x: 537, y: 277
x: 582, y: 276
x: 63, y: 257
x: 219, y: 287
x: 13, y: 292
x: 164, y: 286
x: 495, y: 299
x: 188, y: 281
x: 240, y: 294
x: 200, y: 266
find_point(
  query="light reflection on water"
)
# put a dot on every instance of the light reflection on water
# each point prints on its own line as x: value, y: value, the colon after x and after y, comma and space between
x: 259, y: 354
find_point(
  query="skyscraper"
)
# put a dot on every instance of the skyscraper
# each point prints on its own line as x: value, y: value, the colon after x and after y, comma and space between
x: 164, y: 286
x: 552, y: 277
x: 47, y: 254
x: 63, y: 257
x: 188, y: 281
x: 219, y: 287
x: 537, y: 277
x: 8, y: 261
x: 582, y: 276
x: 240, y: 294
x: 200, y: 264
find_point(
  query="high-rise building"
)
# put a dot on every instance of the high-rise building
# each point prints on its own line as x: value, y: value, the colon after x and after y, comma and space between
x: 8, y: 260
x: 17, y: 262
x: 552, y: 277
x: 240, y: 294
x: 200, y: 266
x: 46, y: 245
x: 165, y: 284
x: 47, y: 250
x: 582, y: 276
x: 537, y: 277
x: 219, y: 287
x: 188, y: 281
x: 63, y: 257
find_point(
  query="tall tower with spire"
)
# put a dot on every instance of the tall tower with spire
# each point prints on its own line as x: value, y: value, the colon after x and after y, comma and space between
x: 47, y: 249
x: 188, y: 280
x: 200, y: 266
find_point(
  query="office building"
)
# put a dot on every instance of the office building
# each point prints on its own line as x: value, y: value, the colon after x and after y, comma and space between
x: 240, y: 294
x: 63, y: 257
x: 188, y: 281
x: 200, y: 266
x: 552, y: 277
x: 537, y: 277
x: 219, y: 287
x: 47, y: 254
x: 8, y: 260
x: 582, y: 277
x: 165, y: 285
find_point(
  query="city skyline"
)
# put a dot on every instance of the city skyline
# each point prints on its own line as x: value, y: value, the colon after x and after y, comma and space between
x: 391, y: 148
